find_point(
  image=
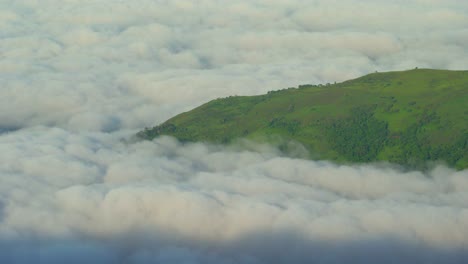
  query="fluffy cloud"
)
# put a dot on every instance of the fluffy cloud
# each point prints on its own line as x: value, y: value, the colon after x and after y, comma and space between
x: 78, y: 78
x: 95, y: 196
x: 107, y: 65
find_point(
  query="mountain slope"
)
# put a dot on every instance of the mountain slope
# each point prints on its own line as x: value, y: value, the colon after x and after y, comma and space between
x: 407, y: 117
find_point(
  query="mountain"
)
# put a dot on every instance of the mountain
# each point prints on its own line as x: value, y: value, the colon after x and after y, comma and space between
x: 407, y: 117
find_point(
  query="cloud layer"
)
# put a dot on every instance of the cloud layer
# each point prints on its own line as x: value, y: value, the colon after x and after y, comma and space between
x: 78, y: 78
x: 94, y: 196
x: 107, y: 65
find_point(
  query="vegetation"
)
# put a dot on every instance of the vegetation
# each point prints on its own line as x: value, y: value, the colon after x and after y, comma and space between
x: 409, y: 117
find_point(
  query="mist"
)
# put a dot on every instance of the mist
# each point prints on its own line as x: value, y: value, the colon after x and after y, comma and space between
x: 112, y: 65
x: 94, y: 197
x: 79, y: 78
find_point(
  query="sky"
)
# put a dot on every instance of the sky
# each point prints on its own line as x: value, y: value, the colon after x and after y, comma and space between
x: 79, y: 77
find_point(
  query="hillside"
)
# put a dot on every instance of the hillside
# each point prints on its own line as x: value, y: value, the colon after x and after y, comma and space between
x: 408, y: 117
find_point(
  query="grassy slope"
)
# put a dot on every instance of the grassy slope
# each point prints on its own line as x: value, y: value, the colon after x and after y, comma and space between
x: 407, y: 117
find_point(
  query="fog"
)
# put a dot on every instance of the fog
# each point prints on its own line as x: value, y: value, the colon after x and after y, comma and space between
x: 94, y: 197
x: 79, y: 78
x: 111, y: 65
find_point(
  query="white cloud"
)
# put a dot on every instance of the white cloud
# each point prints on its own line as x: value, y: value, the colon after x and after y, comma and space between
x: 78, y: 77
x: 174, y: 55
x: 166, y: 198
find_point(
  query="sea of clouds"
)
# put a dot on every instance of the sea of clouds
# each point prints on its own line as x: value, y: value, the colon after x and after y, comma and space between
x: 79, y: 77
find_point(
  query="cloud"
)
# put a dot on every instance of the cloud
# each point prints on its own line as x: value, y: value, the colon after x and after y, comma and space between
x: 105, y: 66
x: 80, y: 77
x: 91, y: 196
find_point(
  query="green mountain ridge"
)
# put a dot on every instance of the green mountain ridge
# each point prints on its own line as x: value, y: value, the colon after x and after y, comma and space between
x: 407, y: 117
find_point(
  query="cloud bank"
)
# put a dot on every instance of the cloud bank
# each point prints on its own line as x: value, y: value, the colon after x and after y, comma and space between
x: 94, y: 197
x: 78, y: 78
x: 110, y: 65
